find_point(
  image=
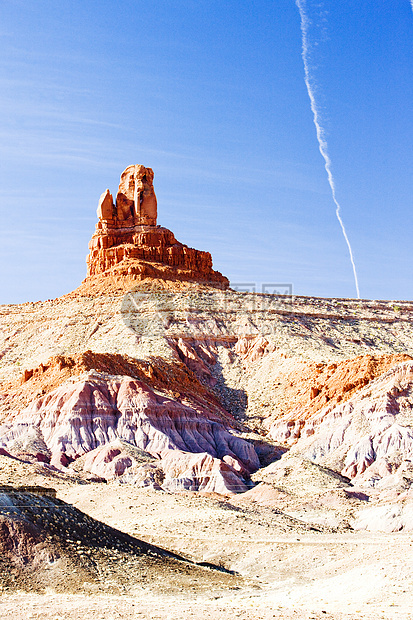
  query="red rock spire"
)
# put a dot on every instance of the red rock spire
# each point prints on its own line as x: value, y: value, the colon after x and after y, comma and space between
x: 129, y: 242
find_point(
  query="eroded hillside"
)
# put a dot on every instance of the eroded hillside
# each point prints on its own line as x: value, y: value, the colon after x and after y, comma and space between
x: 221, y: 425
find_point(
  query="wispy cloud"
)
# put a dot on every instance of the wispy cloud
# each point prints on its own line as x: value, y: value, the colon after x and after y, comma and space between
x: 321, y: 137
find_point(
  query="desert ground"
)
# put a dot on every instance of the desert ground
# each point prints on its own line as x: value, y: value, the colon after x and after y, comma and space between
x: 173, y: 448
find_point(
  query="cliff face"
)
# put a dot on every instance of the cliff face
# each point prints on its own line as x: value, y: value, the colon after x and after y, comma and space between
x: 128, y: 241
x: 114, y: 417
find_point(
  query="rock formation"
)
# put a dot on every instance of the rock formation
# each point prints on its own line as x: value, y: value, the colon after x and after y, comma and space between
x: 128, y: 241
x: 369, y: 438
x: 136, y: 196
x: 96, y: 409
x: 46, y: 543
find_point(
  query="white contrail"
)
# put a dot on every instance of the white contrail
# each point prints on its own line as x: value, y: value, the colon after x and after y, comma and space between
x: 322, y: 142
x: 411, y: 2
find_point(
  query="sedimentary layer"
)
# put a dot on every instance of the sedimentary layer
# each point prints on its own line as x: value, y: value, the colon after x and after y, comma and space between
x: 129, y: 243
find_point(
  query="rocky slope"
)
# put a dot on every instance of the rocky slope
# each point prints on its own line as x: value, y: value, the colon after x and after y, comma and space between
x: 369, y: 438
x: 238, y: 362
x: 46, y: 543
x: 268, y: 434
x: 161, y: 376
x: 95, y: 409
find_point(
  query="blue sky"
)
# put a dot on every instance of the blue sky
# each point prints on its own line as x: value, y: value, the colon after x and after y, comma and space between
x: 211, y: 95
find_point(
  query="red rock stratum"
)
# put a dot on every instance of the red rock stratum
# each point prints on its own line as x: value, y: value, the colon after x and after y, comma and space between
x: 129, y: 243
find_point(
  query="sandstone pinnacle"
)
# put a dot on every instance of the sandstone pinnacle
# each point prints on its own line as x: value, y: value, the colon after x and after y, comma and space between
x: 128, y: 242
x: 136, y: 196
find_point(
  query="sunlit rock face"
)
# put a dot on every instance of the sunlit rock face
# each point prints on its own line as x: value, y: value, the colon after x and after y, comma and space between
x: 136, y: 196
x: 128, y: 241
x: 95, y: 410
x: 369, y: 438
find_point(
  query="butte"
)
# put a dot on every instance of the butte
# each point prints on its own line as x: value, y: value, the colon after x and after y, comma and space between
x: 129, y: 247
